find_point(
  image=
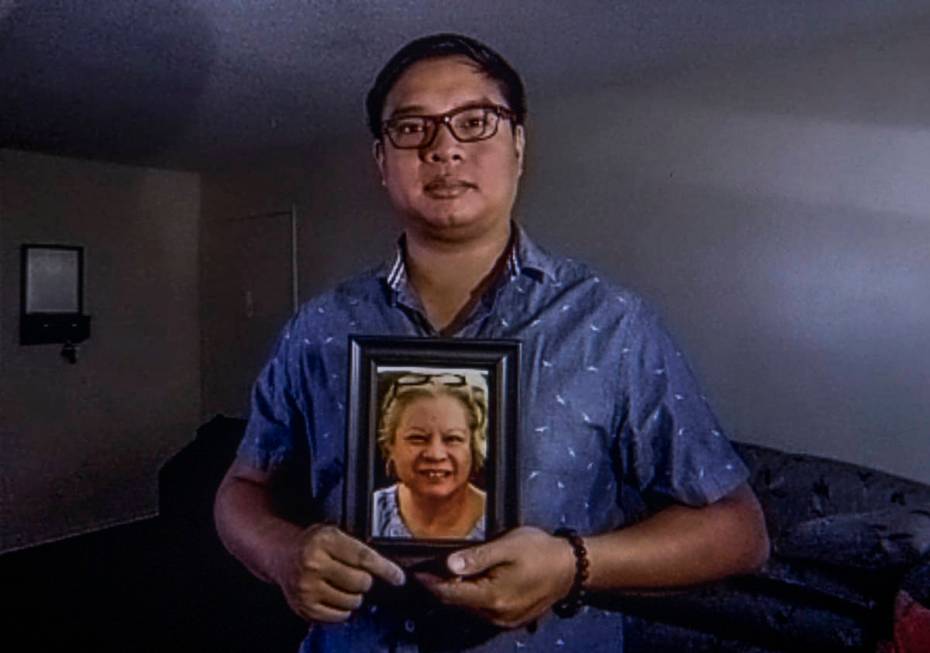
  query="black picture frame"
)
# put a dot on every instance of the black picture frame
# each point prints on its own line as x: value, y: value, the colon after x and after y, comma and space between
x: 376, y: 363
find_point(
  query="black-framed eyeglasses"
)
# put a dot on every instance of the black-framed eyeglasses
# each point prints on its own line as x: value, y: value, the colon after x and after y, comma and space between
x: 466, y: 124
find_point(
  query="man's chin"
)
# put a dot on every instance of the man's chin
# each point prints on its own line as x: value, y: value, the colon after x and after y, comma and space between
x: 452, y: 226
x: 452, y: 220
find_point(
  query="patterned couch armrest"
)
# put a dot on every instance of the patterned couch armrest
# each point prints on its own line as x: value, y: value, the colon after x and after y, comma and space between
x: 795, y: 488
x: 890, y: 540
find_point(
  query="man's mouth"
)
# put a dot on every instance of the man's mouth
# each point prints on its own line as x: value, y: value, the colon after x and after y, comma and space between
x: 446, y: 187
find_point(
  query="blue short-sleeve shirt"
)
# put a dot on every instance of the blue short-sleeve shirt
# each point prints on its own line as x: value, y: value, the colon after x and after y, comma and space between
x: 613, y: 425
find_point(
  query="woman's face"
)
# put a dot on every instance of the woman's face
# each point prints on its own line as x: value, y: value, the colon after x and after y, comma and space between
x: 432, y: 446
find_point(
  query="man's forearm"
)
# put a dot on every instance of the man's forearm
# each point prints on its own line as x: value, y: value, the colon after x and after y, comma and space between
x: 682, y: 546
x: 249, y: 527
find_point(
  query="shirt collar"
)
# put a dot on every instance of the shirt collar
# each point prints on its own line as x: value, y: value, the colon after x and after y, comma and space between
x: 525, y: 255
x: 395, y: 273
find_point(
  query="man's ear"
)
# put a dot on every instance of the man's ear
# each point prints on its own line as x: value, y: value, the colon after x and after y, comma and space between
x: 377, y: 151
x: 519, y: 146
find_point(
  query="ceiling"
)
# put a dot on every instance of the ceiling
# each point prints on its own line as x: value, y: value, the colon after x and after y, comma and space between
x: 190, y: 83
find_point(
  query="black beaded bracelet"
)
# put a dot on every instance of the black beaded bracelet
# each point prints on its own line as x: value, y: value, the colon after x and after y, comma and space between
x: 571, y: 604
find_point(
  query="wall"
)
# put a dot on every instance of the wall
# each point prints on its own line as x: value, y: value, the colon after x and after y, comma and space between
x: 80, y: 445
x: 345, y: 226
x: 775, y: 209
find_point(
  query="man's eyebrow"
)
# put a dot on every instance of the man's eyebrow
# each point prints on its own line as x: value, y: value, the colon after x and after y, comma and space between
x: 407, y: 110
x: 420, y: 110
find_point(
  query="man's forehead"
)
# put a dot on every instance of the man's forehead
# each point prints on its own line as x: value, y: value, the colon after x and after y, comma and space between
x: 439, y: 84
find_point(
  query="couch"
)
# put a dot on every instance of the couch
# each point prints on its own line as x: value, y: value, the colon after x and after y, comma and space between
x: 849, y: 545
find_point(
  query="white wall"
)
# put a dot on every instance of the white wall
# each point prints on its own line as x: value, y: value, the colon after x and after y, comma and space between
x: 80, y: 445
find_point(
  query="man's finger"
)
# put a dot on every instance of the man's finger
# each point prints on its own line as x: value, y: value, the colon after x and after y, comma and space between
x: 355, y: 554
x: 465, y: 593
x: 348, y: 579
x: 335, y: 598
x: 325, y: 614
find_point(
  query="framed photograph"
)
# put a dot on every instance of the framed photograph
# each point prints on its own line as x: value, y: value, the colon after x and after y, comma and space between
x: 430, y: 448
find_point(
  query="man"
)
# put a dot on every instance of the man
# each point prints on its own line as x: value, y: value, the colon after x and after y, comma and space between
x: 617, y: 442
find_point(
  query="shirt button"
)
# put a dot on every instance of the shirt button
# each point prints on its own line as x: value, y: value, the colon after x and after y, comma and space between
x: 410, y: 625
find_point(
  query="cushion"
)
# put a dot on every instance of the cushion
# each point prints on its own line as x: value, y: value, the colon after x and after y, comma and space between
x: 795, y: 488
x: 877, y: 540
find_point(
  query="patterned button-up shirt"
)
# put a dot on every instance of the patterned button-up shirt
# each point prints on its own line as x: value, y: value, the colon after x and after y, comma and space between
x: 613, y: 426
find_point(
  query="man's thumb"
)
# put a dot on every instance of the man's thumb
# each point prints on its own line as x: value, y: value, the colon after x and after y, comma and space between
x: 472, y: 561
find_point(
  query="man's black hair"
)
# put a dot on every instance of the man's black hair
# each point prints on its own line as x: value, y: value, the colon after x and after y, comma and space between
x: 486, y: 60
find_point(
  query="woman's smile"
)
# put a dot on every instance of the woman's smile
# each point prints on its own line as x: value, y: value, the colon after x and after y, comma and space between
x: 435, y: 473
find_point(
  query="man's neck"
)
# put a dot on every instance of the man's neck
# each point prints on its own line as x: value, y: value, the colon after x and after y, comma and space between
x: 450, y: 277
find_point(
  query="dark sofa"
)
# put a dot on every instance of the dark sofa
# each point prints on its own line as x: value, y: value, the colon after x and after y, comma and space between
x: 848, y: 542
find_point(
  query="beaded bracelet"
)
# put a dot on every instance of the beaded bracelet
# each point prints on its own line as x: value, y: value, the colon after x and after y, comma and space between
x: 571, y: 604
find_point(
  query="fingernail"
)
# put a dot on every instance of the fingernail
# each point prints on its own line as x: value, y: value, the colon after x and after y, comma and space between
x: 400, y: 578
x: 457, y: 563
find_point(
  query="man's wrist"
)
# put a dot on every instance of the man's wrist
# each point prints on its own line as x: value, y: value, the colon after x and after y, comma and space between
x: 281, y: 544
x: 571, y: 603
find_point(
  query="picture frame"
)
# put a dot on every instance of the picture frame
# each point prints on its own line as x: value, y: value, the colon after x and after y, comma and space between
x: 394, y: 384
x: 52, y: 295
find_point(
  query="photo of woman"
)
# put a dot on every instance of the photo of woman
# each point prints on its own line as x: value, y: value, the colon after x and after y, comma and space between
x: 432, y: 437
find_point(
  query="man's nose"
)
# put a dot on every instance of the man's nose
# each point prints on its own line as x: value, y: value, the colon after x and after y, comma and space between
x: 445, y: 147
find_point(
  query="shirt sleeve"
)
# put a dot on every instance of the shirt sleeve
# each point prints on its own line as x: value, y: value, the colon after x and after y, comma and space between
x: 275, y: 418
x: 672, y: 445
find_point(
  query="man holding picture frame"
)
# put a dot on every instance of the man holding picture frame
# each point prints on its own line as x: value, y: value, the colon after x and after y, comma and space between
x: 625, y: 480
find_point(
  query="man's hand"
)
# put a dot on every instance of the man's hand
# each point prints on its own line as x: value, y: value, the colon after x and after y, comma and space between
x: 324, y: 574
x: 510, y: 581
